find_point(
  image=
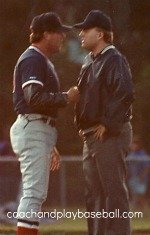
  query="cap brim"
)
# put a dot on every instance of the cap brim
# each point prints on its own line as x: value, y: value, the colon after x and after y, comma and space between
x: 81, y: 25
x: 65, y: 28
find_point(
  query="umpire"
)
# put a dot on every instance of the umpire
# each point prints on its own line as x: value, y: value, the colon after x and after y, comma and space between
x: 103, y: 116
x: 37, y: 98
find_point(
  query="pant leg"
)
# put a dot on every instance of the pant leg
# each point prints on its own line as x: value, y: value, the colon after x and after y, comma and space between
x: 94, y: 192
x: 109, y: 159
x: 33, y: 144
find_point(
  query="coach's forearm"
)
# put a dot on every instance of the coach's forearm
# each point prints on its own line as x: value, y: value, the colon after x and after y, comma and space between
x: 37, y: 98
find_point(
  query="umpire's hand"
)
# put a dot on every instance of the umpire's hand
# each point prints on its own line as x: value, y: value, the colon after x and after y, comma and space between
x: 99, y: 130
x: 55, y: 160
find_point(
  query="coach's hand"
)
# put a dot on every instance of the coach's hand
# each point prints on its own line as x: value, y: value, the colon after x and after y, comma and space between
x: 55, y: 160
x: 99, y: 132
x: 73, y: 94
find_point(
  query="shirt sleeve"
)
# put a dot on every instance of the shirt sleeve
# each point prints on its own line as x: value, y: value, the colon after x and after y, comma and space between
x: 32, y: 71
x: 121, y: 91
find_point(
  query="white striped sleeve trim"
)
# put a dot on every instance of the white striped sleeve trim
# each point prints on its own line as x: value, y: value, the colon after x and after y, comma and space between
x: 25, y: 225
x: 32, y: 81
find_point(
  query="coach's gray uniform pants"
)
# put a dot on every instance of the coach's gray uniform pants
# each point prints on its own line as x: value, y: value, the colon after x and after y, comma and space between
x: 33, y: 143
x: 105, y: 172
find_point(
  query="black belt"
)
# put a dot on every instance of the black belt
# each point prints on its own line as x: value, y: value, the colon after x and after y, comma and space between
x: 47, y: 120
x: 88, y: 134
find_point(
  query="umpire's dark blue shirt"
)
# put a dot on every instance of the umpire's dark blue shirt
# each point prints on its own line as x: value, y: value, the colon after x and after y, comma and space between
x: 34, y: 67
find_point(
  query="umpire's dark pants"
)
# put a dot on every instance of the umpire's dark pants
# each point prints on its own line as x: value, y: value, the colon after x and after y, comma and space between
x: 105, y: 173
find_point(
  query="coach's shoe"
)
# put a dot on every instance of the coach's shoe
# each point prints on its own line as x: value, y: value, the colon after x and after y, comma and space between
x: 26, y: 231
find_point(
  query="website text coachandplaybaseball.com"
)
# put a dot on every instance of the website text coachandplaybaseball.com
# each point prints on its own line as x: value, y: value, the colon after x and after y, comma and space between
x: 78, y: 214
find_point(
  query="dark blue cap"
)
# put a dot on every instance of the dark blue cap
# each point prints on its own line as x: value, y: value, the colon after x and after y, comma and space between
x: 95, y: 18
x: 49, y: 21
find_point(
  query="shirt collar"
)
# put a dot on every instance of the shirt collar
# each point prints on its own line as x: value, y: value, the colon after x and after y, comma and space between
x: 103, y: 51
x: 107, y: 48
x: 38, y: 50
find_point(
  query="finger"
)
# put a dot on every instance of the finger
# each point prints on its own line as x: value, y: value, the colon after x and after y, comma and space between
x: 53, y: 168
x: 55, y: 165
x: 96, y: 129
x: 55, y: 156
x: 58, y: 166
x: 55, y: 159
x: 52, y: 164
x: 96, y: 135
x: 102, y: 137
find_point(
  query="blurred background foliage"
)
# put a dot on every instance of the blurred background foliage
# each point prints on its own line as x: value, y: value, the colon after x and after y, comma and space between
x: 131, y: 35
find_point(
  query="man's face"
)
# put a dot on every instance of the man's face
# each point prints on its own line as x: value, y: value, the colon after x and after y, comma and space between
x: 90, y: 38
x: 54, y: 41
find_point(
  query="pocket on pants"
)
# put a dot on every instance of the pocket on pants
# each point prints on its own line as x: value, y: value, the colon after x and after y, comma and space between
x: 125, y: 138
x: 16, y: 139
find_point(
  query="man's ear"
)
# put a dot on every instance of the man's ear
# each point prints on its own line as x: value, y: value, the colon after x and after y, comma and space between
x: 100, y: 34
x: 46, y: 35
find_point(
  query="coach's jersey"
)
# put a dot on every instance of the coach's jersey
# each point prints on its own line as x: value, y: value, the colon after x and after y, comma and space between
x: 33, y: 67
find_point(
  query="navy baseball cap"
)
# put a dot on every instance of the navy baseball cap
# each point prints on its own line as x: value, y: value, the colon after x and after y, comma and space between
x: 49, y: 21
x: 95, y: 18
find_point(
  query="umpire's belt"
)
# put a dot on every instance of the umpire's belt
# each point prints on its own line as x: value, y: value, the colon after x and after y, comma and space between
x: 88, y: 132
x: 33, y: 117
